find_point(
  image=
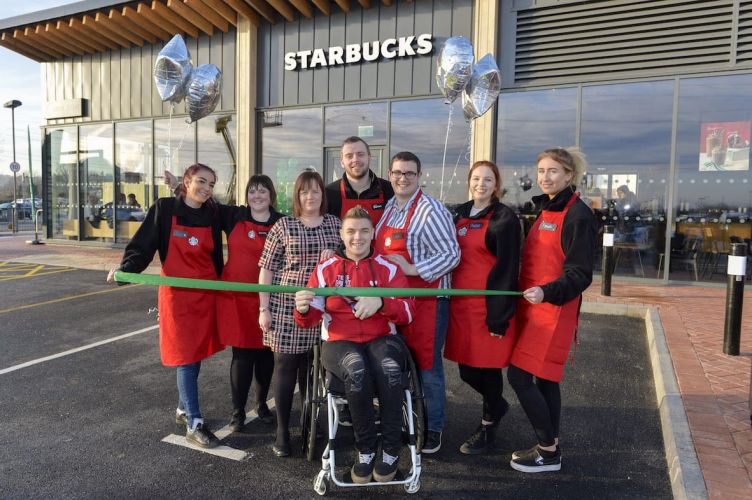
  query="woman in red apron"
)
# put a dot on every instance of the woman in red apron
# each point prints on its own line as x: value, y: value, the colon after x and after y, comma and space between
x: 481, y: 329
x: 557, y: 266
x: 187, y: 233
x: 237, y: 312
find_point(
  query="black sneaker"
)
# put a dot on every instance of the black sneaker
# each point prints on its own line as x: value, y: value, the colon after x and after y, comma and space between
x: 482, y: 441
x: 386, y: 467
x: 201, y: 436
x: 181, y: 418
x: 345, y: 419
x: 533, y: 461
x: 265, y: 415
x: 237, y: 420
x: 362, y: 470
x: 432, y: 443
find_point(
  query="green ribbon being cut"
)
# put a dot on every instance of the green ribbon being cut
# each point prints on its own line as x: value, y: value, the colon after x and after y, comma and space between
x: 234, y: 286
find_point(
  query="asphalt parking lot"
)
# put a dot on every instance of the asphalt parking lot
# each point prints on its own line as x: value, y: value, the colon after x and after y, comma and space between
x: 98, y: 422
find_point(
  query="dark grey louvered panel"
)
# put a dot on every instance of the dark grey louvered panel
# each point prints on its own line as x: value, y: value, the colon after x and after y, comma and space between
x: 620, y: 38
x: 744, y: 33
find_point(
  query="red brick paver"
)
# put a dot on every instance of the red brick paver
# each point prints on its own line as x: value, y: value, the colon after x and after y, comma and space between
x: 714, y: 387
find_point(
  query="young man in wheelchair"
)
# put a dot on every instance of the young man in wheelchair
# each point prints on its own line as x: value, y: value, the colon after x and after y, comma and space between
x: 360, y: 345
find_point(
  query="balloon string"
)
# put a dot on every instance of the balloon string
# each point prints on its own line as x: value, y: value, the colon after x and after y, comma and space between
x: 443, y: 159
x: 466, y: 150
x: 169, y: 138
x: 185, y: 132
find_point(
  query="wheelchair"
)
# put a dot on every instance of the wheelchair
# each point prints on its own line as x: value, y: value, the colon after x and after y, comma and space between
x: 326, y: 394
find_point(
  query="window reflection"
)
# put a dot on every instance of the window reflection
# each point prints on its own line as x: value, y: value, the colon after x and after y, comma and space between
x: 216, y: 148
x: 367, y: 121
x: 63, y: 178
x: 96, y: 182
x: 133, y: 155
x: 174, y: 150
x: 291, y: 143
x: 420, y: 126
x: 713, y: 189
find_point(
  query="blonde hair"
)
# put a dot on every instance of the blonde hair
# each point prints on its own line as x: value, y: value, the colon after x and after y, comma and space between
x: 571, y: 159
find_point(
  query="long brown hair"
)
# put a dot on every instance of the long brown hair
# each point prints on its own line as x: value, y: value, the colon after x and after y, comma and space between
x: 494, y: 169
x: 305, y: 179
x: 189, y: 173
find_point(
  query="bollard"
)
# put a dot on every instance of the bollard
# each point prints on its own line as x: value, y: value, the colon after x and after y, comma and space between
x: 36, y: 240
x: 607, y: 266
x: 737, y: 271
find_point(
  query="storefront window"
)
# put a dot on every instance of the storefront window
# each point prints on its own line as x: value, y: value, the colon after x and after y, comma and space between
x: 63, y: 178
x: 420, y: 126
x: 626, y: 135
x: 133, y: 154
x: 216, y: 148
x: 174, y: 150
x: 367, y: 121
x: 713, y: 196
x: 290, y: 143
x: 97, y: 189
x: 528, y: 123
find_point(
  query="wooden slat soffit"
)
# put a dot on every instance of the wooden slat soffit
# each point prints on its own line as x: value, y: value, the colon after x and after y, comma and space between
x: 137, y: 23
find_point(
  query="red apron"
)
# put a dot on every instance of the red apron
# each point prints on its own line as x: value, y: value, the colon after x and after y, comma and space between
x: 375, y: 206
x: 187, y: 330
x: 419, y: 335
x: 468, y: 339
x: 237, y: 312
x: 544, y: 331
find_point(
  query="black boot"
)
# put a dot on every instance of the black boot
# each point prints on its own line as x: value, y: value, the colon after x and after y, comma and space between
x: 482, y: 441
x: 237, y: 420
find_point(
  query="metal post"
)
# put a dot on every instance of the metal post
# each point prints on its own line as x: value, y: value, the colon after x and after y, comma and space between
x: 15, y: 191
x: 607, y: 266
x: 737, y: 272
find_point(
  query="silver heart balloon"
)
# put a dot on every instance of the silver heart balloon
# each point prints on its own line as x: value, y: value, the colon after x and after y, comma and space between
x: 455, y: 66
x: 172, y: 70
x: 203, y: 91
x: 483, y: 88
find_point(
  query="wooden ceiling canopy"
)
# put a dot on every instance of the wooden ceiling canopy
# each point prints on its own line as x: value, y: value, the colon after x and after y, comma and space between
x: 139, y: 22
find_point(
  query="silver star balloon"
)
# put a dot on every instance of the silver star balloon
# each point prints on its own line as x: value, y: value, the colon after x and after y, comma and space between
x: 203, y: 91
x: 172, y: 70
x: 483, y: 88
x: 455, y: 66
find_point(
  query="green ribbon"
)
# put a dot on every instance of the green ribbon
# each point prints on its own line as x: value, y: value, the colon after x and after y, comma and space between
x: 234, y: 286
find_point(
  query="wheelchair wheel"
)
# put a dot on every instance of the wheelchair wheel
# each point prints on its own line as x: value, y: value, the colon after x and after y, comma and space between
x: 419, y: 409
x: 312, y: 405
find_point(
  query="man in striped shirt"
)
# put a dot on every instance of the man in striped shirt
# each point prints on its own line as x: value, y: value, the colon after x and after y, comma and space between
x: 417, y: 233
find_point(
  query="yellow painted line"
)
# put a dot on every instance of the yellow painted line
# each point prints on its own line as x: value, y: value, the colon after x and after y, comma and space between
x: 3, y: 263
x: 23, y: 276
x: 34, y: 271
x: 62, y: 299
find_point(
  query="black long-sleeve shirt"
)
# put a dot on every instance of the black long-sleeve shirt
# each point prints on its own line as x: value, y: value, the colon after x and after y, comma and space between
x: 154, y: 233
x: 334, y: 196
x: 578, y: 240
x: 503, y: 239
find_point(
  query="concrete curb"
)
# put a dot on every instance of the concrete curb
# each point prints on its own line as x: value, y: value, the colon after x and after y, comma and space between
x: 685, y: 473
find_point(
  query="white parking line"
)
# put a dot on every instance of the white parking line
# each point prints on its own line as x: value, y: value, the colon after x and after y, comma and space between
x: 77, y: 349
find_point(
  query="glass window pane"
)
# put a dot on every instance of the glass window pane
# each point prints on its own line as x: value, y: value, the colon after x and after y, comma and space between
x: 420, y: 126
x: 528, y: 123
x: 133, y: 154
x: 61, y: 160
x: 626, y: 136
x: 290, y: 143
x: 96, y: 182
x: 367, y: 121
x: 216, y: 148
x: 713, y: 190
x: 176, y: 137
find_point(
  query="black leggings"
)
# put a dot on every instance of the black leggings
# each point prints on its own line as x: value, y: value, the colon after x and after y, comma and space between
x: 288, y: 369
x: 540, y: 400
x: 489, y: 383
x: 250, y: 367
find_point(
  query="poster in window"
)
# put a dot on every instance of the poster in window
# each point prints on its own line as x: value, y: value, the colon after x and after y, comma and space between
x: 724, y: 146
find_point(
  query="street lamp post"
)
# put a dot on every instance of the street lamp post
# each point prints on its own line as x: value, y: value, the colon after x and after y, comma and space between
x: 15, y: 167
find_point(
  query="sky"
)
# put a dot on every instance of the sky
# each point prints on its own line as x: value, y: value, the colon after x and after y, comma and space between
x: 22, y: 81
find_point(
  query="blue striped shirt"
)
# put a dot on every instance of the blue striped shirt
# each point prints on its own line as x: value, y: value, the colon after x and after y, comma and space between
x: 431, y: 238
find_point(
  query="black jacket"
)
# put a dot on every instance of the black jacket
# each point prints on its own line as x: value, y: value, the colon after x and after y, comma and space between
x: 578, y: 240
x: 154, y: 233
x: 334, y: 196
x: 503, y: 239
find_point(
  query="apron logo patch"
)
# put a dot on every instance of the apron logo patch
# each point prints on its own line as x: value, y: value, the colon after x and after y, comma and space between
x: 193, y: 241
x: 462, y: 231
x: 548, y: 226
x: 179, y: 234
x: 251, y: 234
x: 388, y: 242
x: 377, y: 206
x: 476, y: 225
